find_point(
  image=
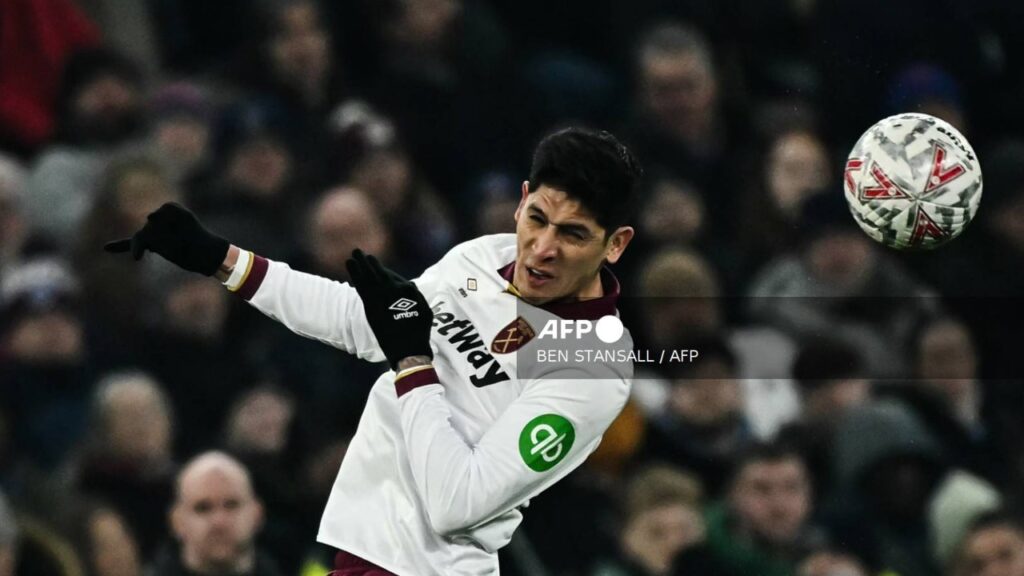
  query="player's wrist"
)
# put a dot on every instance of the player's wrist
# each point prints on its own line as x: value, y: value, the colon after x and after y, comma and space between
x: 412, y: 362
x: 414, y: 372
x: 228, y: 265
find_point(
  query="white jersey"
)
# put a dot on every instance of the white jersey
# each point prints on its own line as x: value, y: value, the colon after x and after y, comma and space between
x: 434, y: 480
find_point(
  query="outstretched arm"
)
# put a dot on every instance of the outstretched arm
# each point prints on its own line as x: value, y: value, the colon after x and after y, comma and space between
x: 308, y: 305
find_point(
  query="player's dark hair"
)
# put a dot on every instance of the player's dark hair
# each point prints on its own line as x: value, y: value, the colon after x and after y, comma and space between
x: 592, y: 167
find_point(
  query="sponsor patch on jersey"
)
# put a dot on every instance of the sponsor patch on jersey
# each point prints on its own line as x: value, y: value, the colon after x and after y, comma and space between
x: 513, y: 337
x: 545, y: 441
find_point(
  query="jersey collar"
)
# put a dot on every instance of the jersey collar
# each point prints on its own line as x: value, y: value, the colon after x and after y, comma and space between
x: 575, y: 309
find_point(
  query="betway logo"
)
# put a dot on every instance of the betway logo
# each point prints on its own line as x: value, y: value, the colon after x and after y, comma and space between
x: 404, y: 308
x: 462, y: 334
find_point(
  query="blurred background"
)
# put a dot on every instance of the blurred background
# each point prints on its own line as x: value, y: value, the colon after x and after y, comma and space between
x: 858, y: 410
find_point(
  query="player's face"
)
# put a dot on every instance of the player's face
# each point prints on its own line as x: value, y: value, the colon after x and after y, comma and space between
x: 561, y: 247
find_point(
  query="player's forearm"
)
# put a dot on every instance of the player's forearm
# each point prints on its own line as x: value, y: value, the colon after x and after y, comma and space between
x: 442, y: 463
x: 306, y: 304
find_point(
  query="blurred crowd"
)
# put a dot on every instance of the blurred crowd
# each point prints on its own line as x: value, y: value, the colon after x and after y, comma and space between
x: 856, y: 411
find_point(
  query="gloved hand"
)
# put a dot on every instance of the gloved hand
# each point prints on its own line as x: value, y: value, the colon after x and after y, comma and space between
x: 176, y: 234
x: 395, y: 308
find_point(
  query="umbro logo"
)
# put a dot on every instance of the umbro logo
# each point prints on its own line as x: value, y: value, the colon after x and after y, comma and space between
x: 404, y: 307
x: 402, y: 304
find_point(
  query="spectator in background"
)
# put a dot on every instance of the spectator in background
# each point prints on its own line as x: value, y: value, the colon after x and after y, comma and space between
x: 702, y: 426
x: 441, y: 75
x: 763, y: 525
x: 128, y: 27
x: 128, y: 460
x: 329, y: 387
x: 106, y: 543
x: 978, y: 272
x: 682, y: 300
x: 830, y: 378
x: 373, y: 160
x: 662, y: 530
x: 215, y: 519
x: 180, y: 135
x: 795, y: 166
x: 8, y: 539
x: 826, y: 561
x: 258, y: 432
x: 99, y: 109
x: 316, y: 473
x: 189, y: 349
x: 839, y: 284
x: 994, y: 546
x: 679, y: 125
x: 132, y: 187
x: 947, y: 396
x: 13, y: 226
x: 342, y: 220
x: 672, y: 214
x: 252, y: 194
x: 46, y: 373
x: 40, y: 35
x: 887, y: 470
x: 497, y: 197
x: 928, y: 89
x: 289, y: 65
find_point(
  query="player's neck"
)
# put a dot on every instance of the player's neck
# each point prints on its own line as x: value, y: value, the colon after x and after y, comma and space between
x: 591, y: 290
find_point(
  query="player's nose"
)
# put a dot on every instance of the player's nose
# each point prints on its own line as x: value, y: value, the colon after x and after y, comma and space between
x: 545, y: 246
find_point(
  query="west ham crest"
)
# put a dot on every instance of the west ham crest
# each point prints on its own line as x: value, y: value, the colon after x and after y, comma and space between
x: 512, y: 337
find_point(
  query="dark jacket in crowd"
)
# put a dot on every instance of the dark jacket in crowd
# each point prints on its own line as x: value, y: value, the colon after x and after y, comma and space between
x: 169, y: 563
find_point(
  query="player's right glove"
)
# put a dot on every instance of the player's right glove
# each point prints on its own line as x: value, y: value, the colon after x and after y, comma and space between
x: 395, y: 309
x: 176, y: 234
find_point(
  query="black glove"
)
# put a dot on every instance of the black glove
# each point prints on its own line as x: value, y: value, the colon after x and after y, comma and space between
x: 395, y: 308
x: 176, y: 234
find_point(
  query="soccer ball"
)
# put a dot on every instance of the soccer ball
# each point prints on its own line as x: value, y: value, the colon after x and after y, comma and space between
x: 912, y: 182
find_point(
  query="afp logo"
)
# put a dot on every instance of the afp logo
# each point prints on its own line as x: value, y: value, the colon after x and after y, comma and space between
x: 608, y: 329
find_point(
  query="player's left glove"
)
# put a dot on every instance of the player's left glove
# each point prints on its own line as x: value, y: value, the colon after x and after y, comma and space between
x: 395, y: 308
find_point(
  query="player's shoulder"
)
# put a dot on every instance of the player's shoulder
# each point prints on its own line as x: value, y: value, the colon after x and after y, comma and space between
x: 492, y: 251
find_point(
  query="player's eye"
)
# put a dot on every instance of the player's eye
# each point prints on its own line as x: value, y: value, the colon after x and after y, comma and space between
x: 537, y: 219
x: 575, y: 234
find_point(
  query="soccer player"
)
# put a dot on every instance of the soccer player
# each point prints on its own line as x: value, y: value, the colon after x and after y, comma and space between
x: 452, y: 444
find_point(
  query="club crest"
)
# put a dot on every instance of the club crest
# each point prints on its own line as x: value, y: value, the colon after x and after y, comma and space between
x: 512, y: 337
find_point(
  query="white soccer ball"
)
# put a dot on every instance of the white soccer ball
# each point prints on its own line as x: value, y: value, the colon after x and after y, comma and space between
x: 912, y: 182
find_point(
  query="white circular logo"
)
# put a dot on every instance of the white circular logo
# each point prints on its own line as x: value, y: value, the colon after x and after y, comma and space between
x: 609, y: 329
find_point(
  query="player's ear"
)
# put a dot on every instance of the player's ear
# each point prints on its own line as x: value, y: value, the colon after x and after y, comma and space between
x: 617, y: 243
x: 522, y: 201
